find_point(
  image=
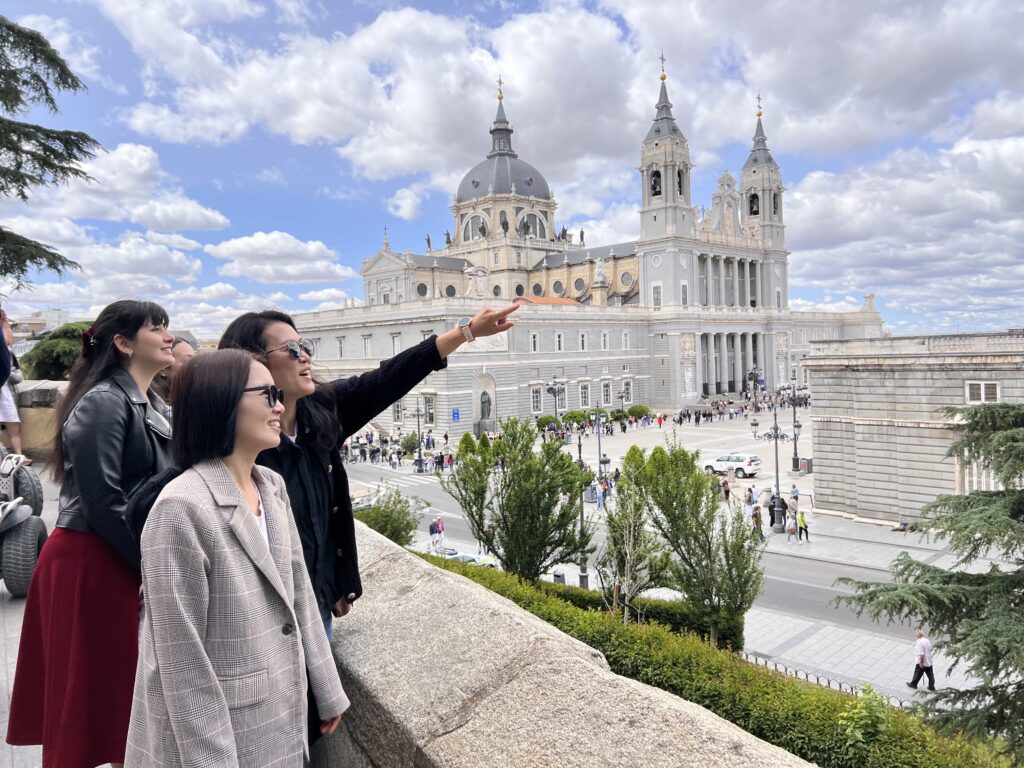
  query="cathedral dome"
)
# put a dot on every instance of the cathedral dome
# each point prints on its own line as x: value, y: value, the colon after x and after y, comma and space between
x: 502, y: 170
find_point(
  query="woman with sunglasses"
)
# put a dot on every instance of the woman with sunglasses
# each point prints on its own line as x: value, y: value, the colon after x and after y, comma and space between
x: 319, y: 417
x: 231, y: 625
x: 79, y: 637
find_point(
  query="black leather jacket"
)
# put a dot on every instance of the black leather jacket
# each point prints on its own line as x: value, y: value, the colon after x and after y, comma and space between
x: 114, y: 440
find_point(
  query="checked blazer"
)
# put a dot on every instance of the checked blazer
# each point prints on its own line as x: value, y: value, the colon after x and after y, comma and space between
x: 230, y: 629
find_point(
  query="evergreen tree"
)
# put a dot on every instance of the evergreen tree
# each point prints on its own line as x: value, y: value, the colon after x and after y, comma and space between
x: 31, y: 155
x: 979, y: 613
x: 54, y: 355
x: 716, y: 557
x: 523, y: 504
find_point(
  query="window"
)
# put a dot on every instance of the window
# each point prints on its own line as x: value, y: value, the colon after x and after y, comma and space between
x: 535, y: 401
x: 583, y: 341
x: 625, y: 366
x: 778, y: 299
x: 580, y: 284
x: 604, y: 341
x: 520, y: 289
x: 981, y: 392
x: 656, y: 184
x: 755, y: 205
x: 367, y: 346
x: 656, y: 296
x: 557, y: 287
x: 385, y: 298
x: 341, y: 347
x: 497, y: 257
x: 396, y: 411
x: 625, y: 339
x: 585, y: 395
x: 559, y: 342
x: 496, y: 290
x: 626, y: 279
x: 422, y: 289
x: 684, y: 294
x: 428, y: 410
x: 519, y: 258
x: 449, y: 291
x: 538, y: 289
x: 535, y: 342
x: 396, y: 343
x: 426, y: 334
x: 627, y: 391
x: 606, y: 393
x: 560, y: 402
x: 775, y: 203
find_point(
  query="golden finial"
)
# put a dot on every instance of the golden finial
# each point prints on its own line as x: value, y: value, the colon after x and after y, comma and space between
x: 664, y: 77
x: 501, y: 95
x: 759, y: 112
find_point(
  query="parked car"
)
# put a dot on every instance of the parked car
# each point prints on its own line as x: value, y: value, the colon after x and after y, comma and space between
x: 742, y: 464
x: 485, y: 561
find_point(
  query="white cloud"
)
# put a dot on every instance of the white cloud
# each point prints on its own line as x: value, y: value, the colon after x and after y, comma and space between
x: 81, y: 56
x: 172, y: 240
x: 278, y: 257
x: 325, y: 294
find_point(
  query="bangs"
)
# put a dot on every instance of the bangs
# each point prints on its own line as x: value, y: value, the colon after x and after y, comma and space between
x: 152, y: 312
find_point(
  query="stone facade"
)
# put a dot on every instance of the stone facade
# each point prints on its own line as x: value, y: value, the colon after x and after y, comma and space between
x: 880, y: 439
x: 684, y: 311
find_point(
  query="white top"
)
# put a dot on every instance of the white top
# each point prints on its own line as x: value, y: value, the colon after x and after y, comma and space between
x: 262, y: 520
x: 924, y: 648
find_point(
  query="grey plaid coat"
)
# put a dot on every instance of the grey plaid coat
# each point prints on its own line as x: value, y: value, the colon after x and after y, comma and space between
x: 230, y: 630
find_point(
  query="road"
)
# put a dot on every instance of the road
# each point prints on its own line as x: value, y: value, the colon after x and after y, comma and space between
x: 793, y: 584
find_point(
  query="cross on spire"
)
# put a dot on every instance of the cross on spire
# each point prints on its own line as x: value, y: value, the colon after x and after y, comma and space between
x: 501, y: 95
x: 759, y: 104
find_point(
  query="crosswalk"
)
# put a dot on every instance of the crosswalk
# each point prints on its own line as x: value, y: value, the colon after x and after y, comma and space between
x: 384, y: 474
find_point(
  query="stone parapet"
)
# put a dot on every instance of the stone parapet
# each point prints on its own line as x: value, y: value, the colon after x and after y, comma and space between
x: 442, y: 672
x: 37, y: 401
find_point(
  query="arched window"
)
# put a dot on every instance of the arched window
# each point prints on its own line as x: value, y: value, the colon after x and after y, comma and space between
x: 755, y: 205
x: 679, y: 181
x: 656, y: 184
x: 422, y: 289
x: 532, y: 224
x: 449, y: 291
x: 475, y: 229
x: 775, y: 203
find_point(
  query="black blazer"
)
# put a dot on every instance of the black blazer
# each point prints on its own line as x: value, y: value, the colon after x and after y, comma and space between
x: 355, y: 401
x: 114, y: 440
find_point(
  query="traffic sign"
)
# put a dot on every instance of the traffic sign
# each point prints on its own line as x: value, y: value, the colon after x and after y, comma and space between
x: 455, y: 414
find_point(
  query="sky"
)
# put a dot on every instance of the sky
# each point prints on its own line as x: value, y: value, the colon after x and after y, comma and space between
x: 255, y: 150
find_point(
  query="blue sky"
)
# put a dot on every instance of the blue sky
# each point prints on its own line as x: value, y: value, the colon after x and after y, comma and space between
x: 256, y: 149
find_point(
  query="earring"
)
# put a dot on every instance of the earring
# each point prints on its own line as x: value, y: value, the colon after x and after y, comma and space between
x: 130, y: 353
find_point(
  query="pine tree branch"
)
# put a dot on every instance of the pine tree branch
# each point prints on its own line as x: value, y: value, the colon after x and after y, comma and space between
x: 32, y: 156
x: 28, y: 65
x: 19, y: 256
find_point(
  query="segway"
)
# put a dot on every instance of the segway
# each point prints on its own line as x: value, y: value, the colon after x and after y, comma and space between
x: 22, y: 530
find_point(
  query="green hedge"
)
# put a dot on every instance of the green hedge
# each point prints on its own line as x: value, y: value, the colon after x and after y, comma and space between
x: 677, y: 615
x: 802, y: 718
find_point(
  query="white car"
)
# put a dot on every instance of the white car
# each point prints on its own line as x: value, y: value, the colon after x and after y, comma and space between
x: 742, y: 464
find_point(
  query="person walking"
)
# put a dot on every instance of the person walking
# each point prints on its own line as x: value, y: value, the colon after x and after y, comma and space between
x: 725, y: 489
x: 79, y: 638
x: 791, y: 526
x: 801, y: 521
x: 757, y: 522
x: 231, y: 627
x: 794, y: 497
x: 923, y: 650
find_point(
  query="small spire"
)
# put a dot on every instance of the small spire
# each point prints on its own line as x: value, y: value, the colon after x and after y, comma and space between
x: 387, y: 243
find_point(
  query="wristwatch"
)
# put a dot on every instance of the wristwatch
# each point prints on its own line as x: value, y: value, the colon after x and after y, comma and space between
x: 463, y: 325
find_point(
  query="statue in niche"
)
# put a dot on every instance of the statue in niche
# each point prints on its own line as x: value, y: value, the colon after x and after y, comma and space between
x: 485, y: 406
x: 447, y: 238
x: 564, y: 234
x: 482, y: 229
x: 504, y: 226
x: 599, y: 271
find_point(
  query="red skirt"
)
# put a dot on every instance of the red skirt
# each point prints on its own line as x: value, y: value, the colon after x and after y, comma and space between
x: 76, y: 662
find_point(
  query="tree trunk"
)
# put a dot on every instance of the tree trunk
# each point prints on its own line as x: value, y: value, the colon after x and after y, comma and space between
x: 714, y: 632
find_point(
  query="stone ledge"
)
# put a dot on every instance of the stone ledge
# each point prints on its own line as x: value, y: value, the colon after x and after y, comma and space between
x: 443, y: 672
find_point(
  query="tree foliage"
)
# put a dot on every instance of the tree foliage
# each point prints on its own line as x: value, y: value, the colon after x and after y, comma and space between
x: 410, y: 444
x: 31, y: 155
x: 627, y: 564
x: 979, y: 612
x: 524, y: 505
x: 54, y: 355
x: 716, y: 558
x: 392, y: 515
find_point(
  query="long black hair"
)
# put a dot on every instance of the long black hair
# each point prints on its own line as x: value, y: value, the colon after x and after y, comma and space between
x: 208, y: 391
x: 316, y: 412
x: 101, y: 359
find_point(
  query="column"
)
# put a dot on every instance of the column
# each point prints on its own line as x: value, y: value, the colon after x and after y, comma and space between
x: 721, y: 281
x: 712, y: 364
x: 709, y: 284
x: 748, y: 352
x: 757, y: 283
x: 741, y: 297
x: 735, y: 282
x: 698, y: 360
x: 723, y: 359
x: 737, y: 358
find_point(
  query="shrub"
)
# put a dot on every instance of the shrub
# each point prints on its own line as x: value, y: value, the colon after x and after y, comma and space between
x: 639, y: 411
x: 54, y: 355
x: 574, y: 417
x: 546, y: 421
x: 617, y: 415
x: 409, y: 444
x: 391, y: 515
x: 815, y: 723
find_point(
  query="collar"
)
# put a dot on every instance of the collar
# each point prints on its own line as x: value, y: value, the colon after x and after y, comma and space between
x: 124, y: 380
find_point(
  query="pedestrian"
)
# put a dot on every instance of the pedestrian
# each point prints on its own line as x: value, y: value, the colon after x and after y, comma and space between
x: 725, y: 488
x: 758, y: 522
x: 923, y: 650
x: 79, y: 637
x: 440, y: 532
x: 794, y: 497
x: 801, y: 521
x: 433, y: 533
x: 231, y: 628
x: 791, y: 526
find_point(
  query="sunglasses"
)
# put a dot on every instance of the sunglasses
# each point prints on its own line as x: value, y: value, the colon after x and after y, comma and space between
x: 273, y: 394
x: 297, y: 348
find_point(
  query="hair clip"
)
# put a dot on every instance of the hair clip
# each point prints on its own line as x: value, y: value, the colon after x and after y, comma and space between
x: 88, y: 342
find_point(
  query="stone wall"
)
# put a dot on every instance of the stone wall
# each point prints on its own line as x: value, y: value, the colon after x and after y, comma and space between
x: 443, y: 672
x: 880, y: 437
x: 36, y: 409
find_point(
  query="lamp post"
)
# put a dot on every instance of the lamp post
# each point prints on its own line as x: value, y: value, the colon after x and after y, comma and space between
x: 796, y: 426
x: 579, y: 446
x: 419, y: 439
x: 775, y: 435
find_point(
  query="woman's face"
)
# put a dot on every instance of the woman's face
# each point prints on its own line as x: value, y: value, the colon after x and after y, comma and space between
x: 152, y: 347
x: 182, y: 352
x: 292, y: 374
x: 258, y: 423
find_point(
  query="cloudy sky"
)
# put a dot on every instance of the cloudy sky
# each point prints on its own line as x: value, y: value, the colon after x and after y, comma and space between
x: 254, y: 150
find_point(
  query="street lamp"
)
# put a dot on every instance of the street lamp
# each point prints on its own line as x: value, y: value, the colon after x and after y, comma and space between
x: 419, y: 439
x: 753, y: 379
x: 796, y: 426
x: 775, y: 435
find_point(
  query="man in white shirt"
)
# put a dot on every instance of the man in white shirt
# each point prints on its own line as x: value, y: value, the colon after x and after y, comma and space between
x: 923, y: 649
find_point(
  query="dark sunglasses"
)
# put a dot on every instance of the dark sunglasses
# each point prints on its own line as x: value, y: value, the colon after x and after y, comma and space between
x: 296, y: 348
x: 274, y: 395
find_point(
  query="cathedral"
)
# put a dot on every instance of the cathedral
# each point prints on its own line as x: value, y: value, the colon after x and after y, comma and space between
x: 686, y: 311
